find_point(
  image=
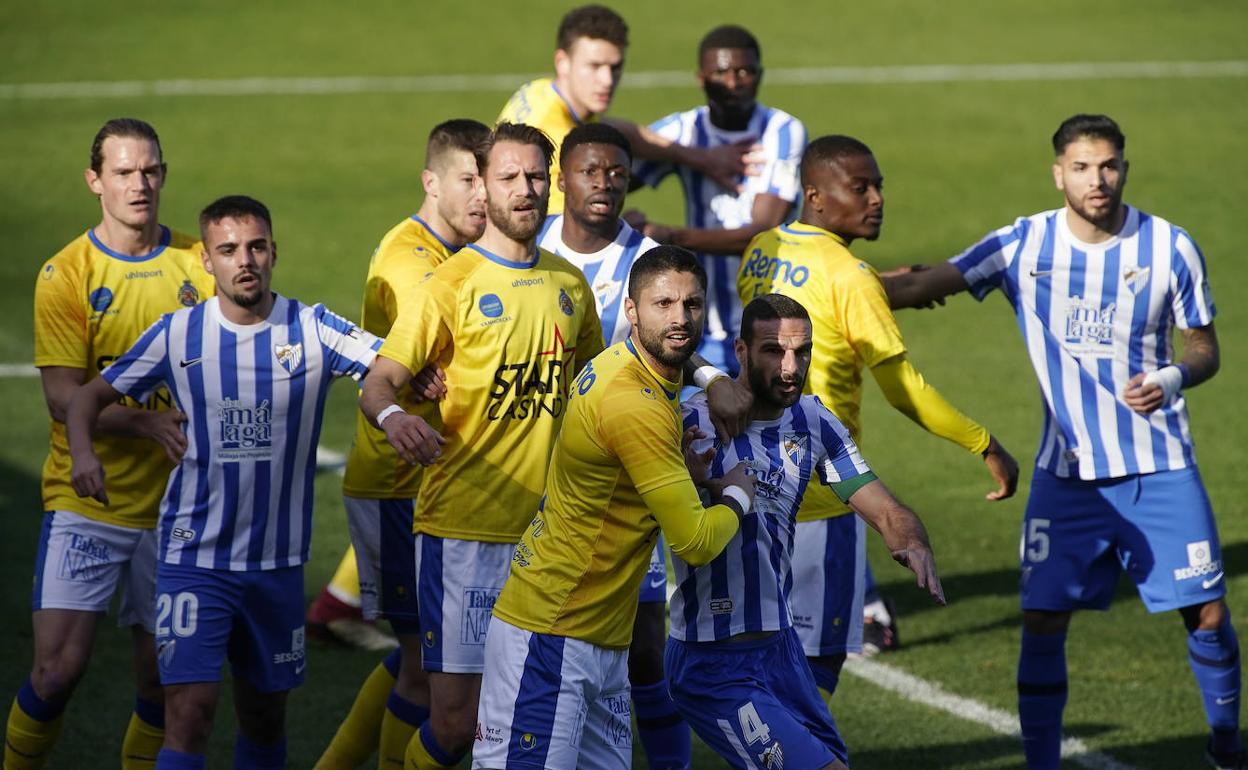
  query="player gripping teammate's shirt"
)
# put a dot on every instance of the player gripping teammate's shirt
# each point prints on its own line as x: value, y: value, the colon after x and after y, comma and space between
x: 406, y: 254
x: 1092, y: 317
x: 540, y: 104
x: 578, y: 569
x: 746, y: 588
x: 606, y: 270
x: 241, y: 499
x: 707, y: 205
x: 510, y: 336
x: 91, y: 304
x: 853, y: 327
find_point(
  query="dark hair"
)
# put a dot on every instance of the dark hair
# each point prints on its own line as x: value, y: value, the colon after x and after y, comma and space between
x: 830, y: 149
x: 233, y: 207
x: 1081, y: 125
x: 513, y: 132
x: 457, y: 134
x: 594, y: 133
x: 662, y: 259
x: 121, y: 127
x: 769, y: 307
x: 728, y: 36
x: 596, y: 22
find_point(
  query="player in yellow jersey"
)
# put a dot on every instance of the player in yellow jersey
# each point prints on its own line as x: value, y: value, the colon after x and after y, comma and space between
x: 380, y: 489
x: 92, y: 301
x: 589, y: 59
x: 809, y: 260
x: 555, y: 693
x: 510, y: 325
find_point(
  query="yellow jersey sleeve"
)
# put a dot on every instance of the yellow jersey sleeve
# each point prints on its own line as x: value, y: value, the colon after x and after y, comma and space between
x: 421, y: 332
x: 407, y: 254
x: 91, y: 305
x: 696, y: 534
x: 866, y: 317
x: 911, y: 395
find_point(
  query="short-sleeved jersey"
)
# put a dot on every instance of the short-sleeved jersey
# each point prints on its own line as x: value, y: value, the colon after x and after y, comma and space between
x: 406, y: 254
x: 746, y: 588
x: 1092, y: 317
x: 852, y: 324
x: 510, y: 337
x: 241, y: 499
x: 577, y: 572
x: 91, y: 304
x: 606, y: 270
x: 709, y: 206
x: 540, y: 104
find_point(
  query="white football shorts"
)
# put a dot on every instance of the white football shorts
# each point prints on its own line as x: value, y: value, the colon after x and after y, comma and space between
x: 829, y: 577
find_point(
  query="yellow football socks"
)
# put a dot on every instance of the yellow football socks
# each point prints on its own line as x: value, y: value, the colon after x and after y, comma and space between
x: 360, y: 733
x: 144, y: 736
x: 345, y: 585
x: 32, y: 729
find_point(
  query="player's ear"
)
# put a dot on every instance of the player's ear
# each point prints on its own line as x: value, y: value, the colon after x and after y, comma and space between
x: 743, y: 353
x: 429, y: 181
x: 203, y: 255
x: 563, y: 63
x: 1126, y: 166
x: 811, y: 195
x: 1057, y: 175
x: 93, y: 181
x: 630, y: 310
x: 559, y: 181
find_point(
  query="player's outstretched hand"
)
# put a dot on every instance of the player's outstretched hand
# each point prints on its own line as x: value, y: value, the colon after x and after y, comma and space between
x: 1141, y: 397
x: 729, y: 403
x: 1004, y: 469
x: 413, y: 439
x: 890, y: 278
x: 636, y: 219
x: 698, y: 463
x: 429, y: 384
x: 740, y: 476
x: 87, y: 476
x: 165, y: 428
x: 918, y: 558
x: 728, y: 163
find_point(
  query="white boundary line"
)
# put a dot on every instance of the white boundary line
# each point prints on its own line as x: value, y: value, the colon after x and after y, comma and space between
x: 925, y: 73
x: 919, y: 690
x: 18, y: 370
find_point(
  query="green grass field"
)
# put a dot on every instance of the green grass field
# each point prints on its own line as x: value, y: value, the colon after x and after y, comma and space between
x: 960, y: 158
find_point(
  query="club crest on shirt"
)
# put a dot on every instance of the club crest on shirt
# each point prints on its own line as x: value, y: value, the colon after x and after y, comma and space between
x: 1136, y: 278
x: 565, y: 302
x: 606, y: 291
x: 188, y: 295
x: 289, y: 356
x: 795, y: 446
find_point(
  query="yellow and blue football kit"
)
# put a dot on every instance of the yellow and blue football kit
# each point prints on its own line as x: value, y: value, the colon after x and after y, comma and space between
x: 510, y: 336
x: 853, y: 328
x: 616, y: 477
x: 91, y: 304
x: 541, y: 104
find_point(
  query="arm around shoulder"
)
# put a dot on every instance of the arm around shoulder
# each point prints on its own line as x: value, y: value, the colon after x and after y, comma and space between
x: 922, y: 285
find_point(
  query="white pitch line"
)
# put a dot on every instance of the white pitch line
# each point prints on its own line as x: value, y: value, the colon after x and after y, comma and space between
x: 919, y: 690
x: 923, y: 73
x: 18, y: 370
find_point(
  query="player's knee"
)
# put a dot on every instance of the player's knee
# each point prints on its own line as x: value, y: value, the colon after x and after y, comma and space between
x: 645, y: 664
x: 188, y: 721
x: 1045, y: 623
x: 454, y: 728
x: 54, y: 677
x: 1206, y: 617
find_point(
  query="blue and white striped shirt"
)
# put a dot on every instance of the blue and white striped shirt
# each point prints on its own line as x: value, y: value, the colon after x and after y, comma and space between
x: 709, y: 206
x: 746, y: 588
x: 241, y: 499
x: 1093, y: 316
x: 606, y: 270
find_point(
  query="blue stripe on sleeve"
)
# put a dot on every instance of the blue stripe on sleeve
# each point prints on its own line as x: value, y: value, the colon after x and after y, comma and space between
x: 145, y: 349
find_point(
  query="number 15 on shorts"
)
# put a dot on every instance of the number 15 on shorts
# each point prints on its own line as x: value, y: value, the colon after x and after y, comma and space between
x: 1034, y: 545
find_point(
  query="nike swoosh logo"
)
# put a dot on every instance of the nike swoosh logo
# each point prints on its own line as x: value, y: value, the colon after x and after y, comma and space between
x: 302, y: 665
x: 657, y: 583
x: 1211, y: 582
x: 1224, y: 701
x: 192, y: 362
x: 1041, y: 273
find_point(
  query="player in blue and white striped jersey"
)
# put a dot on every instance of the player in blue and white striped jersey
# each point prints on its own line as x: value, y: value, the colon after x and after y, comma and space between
x: 719, y: 222
x: 1098, y: 288
x: 737, y: 668
x: 250, y: 369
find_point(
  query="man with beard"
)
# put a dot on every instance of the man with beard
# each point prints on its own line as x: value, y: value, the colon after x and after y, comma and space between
x: 719, y: 220
x: 510, y: 325
x: 92, y: 301
x: 738, y: 671
x: 251, y: 369
x: 379, y: 489
x: 1098, y: 287
x: 810, y: 261
x: 555, y: 693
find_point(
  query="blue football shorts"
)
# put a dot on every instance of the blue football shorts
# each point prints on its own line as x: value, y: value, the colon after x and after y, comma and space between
x: 755, y: 702
x: 253, y: 619
x: 1157, y: 527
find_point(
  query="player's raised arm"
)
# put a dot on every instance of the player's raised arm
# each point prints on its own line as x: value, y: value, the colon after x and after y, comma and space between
x: 767, y: 212
x: 84, y: 411
x: 922, y: 285
x: 903, y: 533
x: 725, y: 164
x: 409, y: 434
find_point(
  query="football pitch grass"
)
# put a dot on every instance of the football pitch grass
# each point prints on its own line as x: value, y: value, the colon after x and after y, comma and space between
x: 961, y: 154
